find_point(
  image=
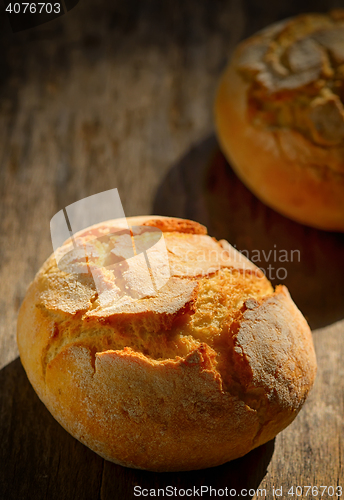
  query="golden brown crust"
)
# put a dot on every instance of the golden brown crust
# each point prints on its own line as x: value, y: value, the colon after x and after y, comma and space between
x: 153, y: 383
x: 165, y: 224
x: 280, y: 117
x: 177, y: 225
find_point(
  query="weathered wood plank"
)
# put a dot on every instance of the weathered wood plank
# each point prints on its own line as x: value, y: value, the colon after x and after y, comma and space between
x: 310, y: 450
x: 112, y: 95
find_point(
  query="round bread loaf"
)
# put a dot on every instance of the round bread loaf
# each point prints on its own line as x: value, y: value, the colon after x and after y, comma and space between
x: 198, y: 372
x: 280, y: 117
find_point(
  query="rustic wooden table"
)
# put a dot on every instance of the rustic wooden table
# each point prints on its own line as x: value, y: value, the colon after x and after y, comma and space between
x: 119, y: 94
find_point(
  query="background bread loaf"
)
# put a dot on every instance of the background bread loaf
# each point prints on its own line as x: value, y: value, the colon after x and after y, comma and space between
x: 280, y: 117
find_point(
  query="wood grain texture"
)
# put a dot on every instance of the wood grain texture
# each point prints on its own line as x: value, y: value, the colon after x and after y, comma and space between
x: 310, y: 451
x: 113, y: 95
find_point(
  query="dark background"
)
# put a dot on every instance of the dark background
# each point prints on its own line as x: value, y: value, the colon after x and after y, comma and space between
x: 119, y: 94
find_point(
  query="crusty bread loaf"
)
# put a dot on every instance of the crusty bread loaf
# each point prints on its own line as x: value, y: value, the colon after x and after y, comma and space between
x: 213, y: 365
x: 280, y: 117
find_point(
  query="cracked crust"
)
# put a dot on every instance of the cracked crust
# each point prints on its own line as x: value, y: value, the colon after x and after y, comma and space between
x: 216, y: 361
x: 280, y: 117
